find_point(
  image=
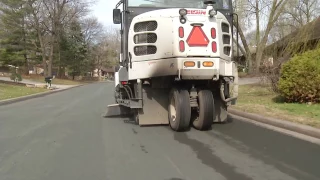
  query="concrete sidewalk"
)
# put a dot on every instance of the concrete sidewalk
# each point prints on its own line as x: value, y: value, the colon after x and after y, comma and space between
x: 249, y: 80
x: 26, y: 81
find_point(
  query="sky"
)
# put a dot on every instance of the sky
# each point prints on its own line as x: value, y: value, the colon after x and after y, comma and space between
x: 103, y: 11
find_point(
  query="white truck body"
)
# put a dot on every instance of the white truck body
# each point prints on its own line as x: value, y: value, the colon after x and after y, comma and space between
x: 168, y: 59
x: 176, y: 64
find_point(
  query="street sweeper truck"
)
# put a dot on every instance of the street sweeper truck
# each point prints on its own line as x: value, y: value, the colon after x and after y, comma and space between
x: 176, y: 64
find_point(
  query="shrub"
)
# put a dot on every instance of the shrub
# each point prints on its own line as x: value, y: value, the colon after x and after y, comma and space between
x: 300, y: 78
x: 14, y: 75
x: 271, y: 75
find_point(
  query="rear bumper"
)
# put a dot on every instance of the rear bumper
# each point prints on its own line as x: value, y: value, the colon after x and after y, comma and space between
x: 199, y: 74
x: 199, y: 71
x: 175, y: 67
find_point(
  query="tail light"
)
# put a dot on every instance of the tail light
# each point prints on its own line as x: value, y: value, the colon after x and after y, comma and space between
x: 181, y: 32
x: 189, y: 63
x: 181, y: 46
x: 207, y: 64
x: 214, y: 46
x: 213, y: 33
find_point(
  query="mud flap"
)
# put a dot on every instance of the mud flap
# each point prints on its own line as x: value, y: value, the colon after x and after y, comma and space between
x: 220, y: 109
x: 155, y: 107
x: 115, y: 110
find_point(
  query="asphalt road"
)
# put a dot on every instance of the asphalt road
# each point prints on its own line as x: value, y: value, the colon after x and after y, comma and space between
x: 63, y: 136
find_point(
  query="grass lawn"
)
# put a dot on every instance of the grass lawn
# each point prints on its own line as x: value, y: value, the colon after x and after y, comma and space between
x: 40, y: 79
x: 258, y: 99
x: 12, y: 91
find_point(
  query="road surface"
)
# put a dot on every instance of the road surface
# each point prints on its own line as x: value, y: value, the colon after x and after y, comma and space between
x: 63, y: 136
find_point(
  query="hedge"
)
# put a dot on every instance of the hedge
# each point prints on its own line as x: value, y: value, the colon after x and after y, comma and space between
x: 300, y: 78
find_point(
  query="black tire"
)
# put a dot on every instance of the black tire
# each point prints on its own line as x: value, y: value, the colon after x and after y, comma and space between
x: 179, y: 110
x: 206, y: 113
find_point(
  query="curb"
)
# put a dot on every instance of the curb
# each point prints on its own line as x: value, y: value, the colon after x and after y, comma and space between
x: 23, y: 98
x: 299, y: 128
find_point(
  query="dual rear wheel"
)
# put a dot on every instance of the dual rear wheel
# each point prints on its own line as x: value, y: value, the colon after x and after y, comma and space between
x: 180, y: 110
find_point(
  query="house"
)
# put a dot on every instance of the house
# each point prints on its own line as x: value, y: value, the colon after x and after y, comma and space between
x: 305, y: 38
x: 103, y: 71
x: 108, y: 72
x: 4, y: 70
x: 36, y: 69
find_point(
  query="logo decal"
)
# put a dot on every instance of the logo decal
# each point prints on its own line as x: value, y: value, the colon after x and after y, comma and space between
x: 196, y: 12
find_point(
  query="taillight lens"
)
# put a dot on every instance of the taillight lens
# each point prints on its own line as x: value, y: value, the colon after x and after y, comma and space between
x: 213, y: 33
x: 181, y: 46
x: 207, y: 64
x: 181, y: 32
x: 189, y: 63
x: 214, y: 47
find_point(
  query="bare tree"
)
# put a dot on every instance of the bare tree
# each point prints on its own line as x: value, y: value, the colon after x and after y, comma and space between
x: 92, y: 30
x: 50, y: 18
x: 107, y: 49
x: 301, y: 12
x: 266, y: 14
x: 296, y: 14
x: 242, y: 8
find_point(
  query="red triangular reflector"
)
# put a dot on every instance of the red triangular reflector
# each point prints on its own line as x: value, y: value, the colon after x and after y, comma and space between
x: 197, y: 37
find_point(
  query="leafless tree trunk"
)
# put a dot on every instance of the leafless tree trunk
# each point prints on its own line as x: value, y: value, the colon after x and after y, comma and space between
x: 275, y: 11
x: 264, y: 13
x: 247, y: 52
x: 35, y: 12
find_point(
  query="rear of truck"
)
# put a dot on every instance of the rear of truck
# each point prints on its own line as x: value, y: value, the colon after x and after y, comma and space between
x: 179, y: 68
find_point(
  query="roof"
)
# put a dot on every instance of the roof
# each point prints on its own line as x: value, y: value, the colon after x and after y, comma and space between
x: 308, y: 32
x: 108, y: 70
